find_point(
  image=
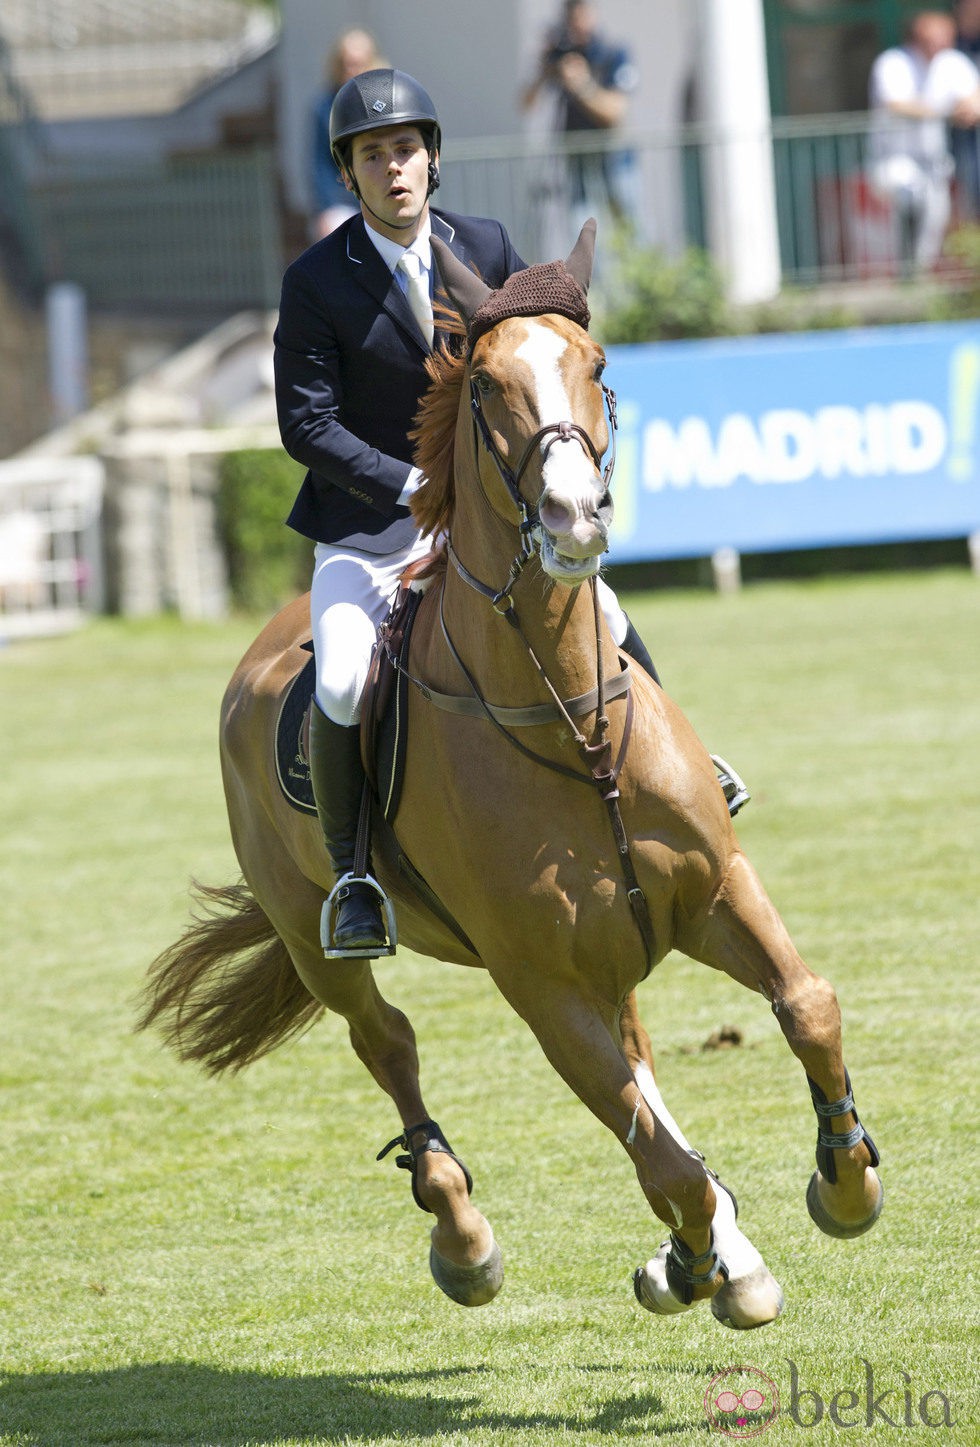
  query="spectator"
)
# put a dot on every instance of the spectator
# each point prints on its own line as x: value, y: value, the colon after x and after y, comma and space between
x: 590, y: 80
x: 916, y: 91
x: 354, y: 52
x: 966, y: 140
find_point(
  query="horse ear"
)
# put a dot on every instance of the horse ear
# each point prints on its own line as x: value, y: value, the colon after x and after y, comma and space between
x: 466, y: 291
x: 582, y: 255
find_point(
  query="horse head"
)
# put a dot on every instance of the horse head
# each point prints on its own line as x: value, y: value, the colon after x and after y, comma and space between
x: 539, y: 404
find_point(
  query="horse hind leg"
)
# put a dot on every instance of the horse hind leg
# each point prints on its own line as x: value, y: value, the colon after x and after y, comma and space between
x: 742, y: 934
x: 465, y: 1264
x: 464, y: 1257
x: 751, y: 1296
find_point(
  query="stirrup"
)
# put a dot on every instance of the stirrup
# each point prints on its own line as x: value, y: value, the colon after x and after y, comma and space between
x: 357, y: 952
x: 732, y: 785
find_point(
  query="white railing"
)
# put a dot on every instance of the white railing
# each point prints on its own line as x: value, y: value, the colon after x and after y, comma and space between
x: 51, y: 565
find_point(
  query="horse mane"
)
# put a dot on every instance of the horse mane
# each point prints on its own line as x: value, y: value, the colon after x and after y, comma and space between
x: 434, y: 440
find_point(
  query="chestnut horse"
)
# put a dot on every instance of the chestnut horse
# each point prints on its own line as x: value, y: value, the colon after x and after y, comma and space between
x: 565, y: 779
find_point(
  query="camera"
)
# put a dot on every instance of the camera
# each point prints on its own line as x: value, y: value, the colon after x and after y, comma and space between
x: 560, y: 50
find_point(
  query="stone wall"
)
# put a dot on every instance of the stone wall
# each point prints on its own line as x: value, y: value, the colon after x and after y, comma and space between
x: 119, y: 349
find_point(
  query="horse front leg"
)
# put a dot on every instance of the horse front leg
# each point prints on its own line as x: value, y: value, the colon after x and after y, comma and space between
x: 742, y: 934
x: 464, y: 1257
x: 580, y: 1037
x: 751, y: 1296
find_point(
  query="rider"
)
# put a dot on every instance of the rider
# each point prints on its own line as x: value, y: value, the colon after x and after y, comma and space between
x: 350, y: 350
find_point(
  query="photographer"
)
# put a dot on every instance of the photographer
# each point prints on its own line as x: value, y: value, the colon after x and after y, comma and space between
x: 590, y: 80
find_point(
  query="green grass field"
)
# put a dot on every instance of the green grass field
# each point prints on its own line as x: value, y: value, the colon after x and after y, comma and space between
x: 224, y: 1264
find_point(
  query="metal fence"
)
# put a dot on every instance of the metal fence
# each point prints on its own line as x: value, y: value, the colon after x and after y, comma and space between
x: 203, y: 232
x: 833, y: 225
x: 182, y: 233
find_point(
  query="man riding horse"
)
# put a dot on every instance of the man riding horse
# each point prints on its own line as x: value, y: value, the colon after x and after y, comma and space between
x: 356, y: 325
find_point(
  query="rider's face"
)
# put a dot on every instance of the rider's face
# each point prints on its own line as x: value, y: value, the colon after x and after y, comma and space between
x: 391, y: 167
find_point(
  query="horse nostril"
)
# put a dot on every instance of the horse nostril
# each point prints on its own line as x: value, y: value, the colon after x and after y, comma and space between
x: 557, y: 514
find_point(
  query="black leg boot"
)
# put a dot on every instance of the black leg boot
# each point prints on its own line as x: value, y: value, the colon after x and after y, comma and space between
x: 337, y: 776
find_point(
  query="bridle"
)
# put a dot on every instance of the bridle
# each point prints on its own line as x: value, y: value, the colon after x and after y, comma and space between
x: 565, y: 431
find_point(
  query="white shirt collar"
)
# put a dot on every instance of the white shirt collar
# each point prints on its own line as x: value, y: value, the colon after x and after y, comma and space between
x: 391, y: 251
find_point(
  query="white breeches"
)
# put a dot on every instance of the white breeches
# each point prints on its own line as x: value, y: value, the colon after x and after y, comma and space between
x: 350, y: 595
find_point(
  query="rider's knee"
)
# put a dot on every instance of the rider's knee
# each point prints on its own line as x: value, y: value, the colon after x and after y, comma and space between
x: 340, y: 700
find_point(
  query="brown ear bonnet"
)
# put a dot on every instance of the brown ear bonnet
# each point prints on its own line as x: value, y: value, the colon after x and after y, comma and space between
x: 532, y: 293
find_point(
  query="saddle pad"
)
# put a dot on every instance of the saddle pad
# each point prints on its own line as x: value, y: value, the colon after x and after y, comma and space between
x: 292, y: 764
x: 388, y: 741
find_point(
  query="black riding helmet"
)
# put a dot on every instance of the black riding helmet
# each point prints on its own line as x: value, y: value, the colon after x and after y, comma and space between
x: 382, y: 98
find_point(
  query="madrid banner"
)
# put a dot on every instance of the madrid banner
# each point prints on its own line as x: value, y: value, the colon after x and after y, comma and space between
x: 796, y: 441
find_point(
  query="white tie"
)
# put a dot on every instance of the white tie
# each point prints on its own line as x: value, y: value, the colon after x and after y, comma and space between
x: 418, y: 293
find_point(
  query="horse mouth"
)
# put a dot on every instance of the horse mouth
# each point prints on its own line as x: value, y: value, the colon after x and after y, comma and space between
x: 563, y: 567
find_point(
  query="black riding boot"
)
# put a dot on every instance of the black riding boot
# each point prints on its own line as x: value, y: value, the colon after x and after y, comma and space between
x: 734, y: 790
x: 633, y: 645
x: 337, y: 776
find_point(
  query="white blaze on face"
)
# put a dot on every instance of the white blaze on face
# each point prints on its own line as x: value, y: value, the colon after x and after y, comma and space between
x: 568, y: 472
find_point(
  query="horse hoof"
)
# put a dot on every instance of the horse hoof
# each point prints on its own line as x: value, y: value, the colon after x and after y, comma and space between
x: 651, y: 1289
x: 843, y: 1230
x: 748, y: 1301
x: 469, y: 1285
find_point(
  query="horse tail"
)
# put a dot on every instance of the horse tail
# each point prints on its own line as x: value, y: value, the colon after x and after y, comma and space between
x: 226, y: 992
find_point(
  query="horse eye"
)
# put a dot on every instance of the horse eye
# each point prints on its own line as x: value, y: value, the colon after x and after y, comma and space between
x: 483, y: 384
x: 600, y: 367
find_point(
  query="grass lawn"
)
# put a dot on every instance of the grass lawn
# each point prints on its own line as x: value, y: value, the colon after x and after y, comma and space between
x: 223, y: 1264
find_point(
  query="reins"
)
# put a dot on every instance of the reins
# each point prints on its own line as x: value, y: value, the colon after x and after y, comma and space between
x: 603, y: 773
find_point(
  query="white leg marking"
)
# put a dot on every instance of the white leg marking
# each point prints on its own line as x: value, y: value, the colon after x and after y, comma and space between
x: 732, y: 1245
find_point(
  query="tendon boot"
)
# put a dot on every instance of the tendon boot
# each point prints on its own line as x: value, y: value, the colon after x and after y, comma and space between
x: 356, y: 901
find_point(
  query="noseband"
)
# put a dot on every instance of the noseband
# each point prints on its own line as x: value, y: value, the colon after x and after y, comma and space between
x: 554, y: 432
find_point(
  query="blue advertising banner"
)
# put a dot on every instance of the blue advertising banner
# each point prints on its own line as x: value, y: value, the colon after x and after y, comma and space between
x: 797, y: 441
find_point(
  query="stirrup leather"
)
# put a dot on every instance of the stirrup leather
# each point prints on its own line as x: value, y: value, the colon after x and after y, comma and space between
x: 357, y: 952
x: 827, y: 1141
x: 434, y: 1141
x: 680, y: 1263
x: 732, y: 785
